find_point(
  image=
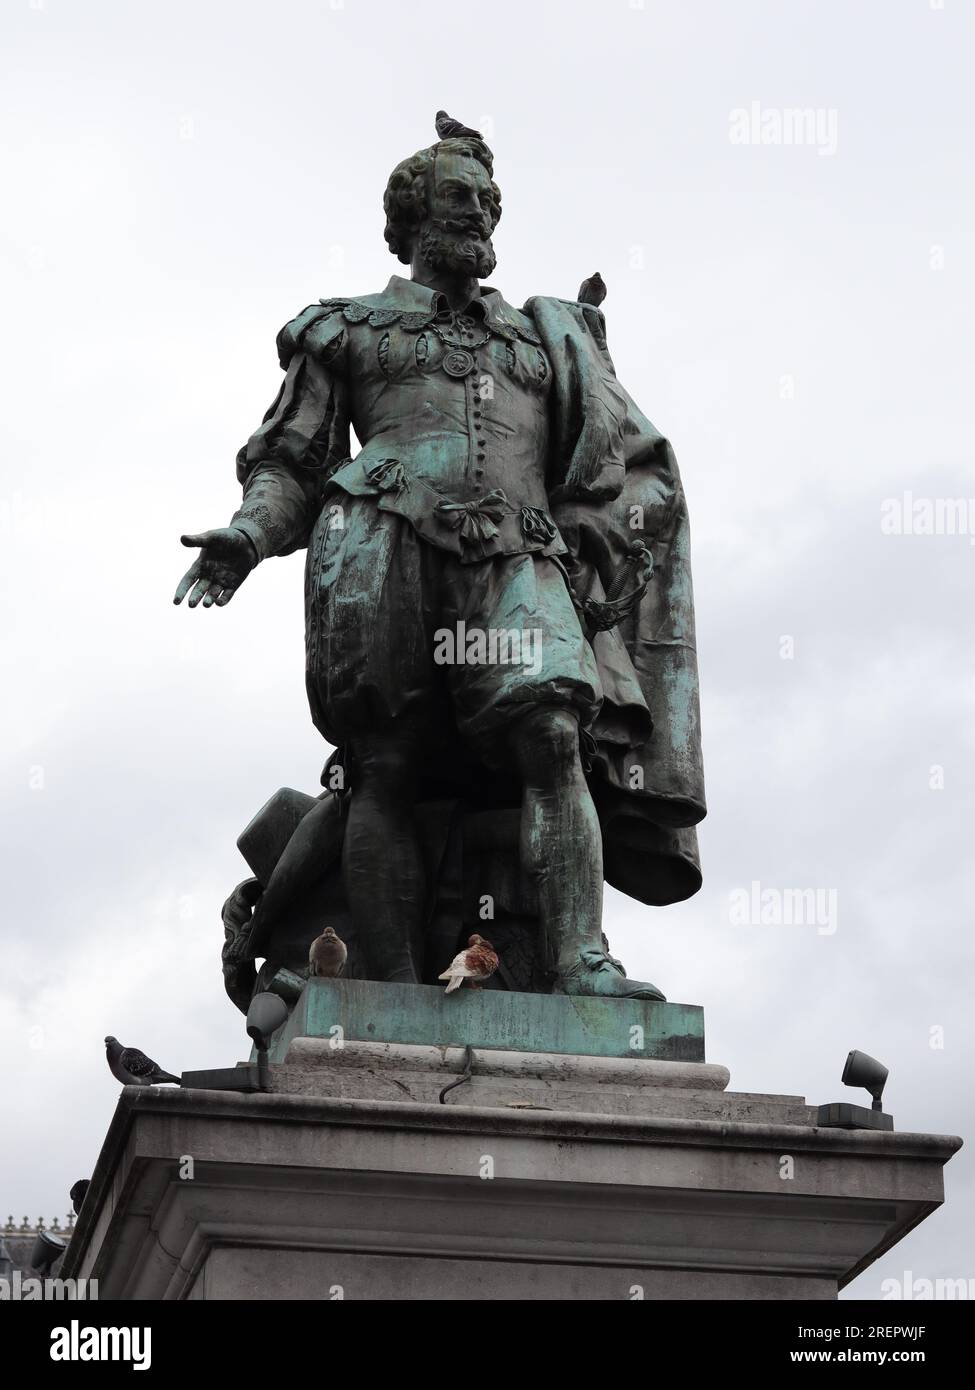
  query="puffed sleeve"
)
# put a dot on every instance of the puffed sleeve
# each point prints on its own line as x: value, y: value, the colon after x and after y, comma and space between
x: 286, y: 463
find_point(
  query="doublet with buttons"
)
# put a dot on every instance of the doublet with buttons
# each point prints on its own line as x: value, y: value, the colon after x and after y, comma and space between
x: 451, y: 410
x: 460, y: 405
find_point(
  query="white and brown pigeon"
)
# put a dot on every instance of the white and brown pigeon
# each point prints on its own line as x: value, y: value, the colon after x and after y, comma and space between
x: 134, y: 1068
x: 475, y: 965
x: 327, y: 955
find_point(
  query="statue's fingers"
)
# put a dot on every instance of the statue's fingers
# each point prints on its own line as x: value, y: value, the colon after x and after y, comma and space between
x: 225, y: 597
x: 201, y: 539
x: 202, y: 587
x: 186, y: 583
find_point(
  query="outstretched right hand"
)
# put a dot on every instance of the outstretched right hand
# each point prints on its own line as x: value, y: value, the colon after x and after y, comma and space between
x: 227, y: 558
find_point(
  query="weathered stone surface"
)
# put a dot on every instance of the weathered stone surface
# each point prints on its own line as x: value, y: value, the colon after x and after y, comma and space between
x: 521, y: 1080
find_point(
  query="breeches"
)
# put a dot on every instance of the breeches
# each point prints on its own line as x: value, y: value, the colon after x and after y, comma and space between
x: 402, y: 634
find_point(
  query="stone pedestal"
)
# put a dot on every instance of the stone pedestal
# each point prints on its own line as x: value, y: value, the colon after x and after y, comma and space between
x: 368, y: 1174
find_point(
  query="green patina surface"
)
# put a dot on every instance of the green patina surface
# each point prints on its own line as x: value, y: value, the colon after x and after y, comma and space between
x: 367, y: 1011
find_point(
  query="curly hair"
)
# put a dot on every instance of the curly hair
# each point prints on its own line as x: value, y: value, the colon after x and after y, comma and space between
x: 405, y: 199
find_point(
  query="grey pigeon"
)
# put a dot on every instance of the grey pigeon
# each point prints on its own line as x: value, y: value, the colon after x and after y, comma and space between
x: 327, y: 955
x: 132, y: 1067
x: 449, y: 129
x: 593, y: 290
x: 77, y: 1194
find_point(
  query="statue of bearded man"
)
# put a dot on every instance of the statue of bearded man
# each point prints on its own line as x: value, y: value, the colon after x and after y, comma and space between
x: 480, y: 608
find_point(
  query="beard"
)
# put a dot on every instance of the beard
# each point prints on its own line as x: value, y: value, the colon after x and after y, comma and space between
x: 456, y: 247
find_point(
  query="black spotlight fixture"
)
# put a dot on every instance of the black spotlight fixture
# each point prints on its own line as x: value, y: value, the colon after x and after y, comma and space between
x: 265, y: 1016
x: 47, y: 1250
x: 860, y: 1070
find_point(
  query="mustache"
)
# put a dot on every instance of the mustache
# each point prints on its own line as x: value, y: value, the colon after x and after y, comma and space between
x: 463, y: 226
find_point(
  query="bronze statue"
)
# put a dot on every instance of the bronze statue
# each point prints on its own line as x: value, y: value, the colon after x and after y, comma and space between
x: 500, y: 634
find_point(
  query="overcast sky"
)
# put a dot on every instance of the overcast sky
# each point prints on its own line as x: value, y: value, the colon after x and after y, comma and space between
x: 179, y: 179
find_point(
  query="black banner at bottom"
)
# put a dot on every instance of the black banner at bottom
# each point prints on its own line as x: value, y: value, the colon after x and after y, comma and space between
x: 239, y: 1338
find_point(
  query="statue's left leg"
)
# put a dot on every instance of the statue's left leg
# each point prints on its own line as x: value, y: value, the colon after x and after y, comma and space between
x: 561, y: 850
x: 382, y: 861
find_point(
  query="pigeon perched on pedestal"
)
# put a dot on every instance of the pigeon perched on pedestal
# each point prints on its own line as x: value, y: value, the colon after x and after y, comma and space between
x: 77, y: 1194
x: 449, y: 129
x: 593, y: 290
x: 476, y: 964
x: 327, y: 955
x: 134, y: 1068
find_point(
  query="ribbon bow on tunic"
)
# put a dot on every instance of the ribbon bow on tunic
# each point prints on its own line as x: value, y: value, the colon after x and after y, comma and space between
x: 388, y: 475
x: 476, y: 519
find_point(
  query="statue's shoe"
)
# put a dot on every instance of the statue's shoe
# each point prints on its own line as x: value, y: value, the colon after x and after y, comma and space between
x: 597, y: 975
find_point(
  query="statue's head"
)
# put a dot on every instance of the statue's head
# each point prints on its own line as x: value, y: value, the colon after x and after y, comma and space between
x: 443, y: 203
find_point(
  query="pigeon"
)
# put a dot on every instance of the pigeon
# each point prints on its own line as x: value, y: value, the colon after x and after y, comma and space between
x: 77, y: 1194
x: 327, y: 955
x: 134, y: 1068
x: 449, y: 129
x: 476, y: 964
x: 593, y: 290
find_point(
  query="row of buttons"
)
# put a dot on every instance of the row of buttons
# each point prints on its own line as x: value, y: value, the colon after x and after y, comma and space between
x: 479, y: 434
x: 464, y: 366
